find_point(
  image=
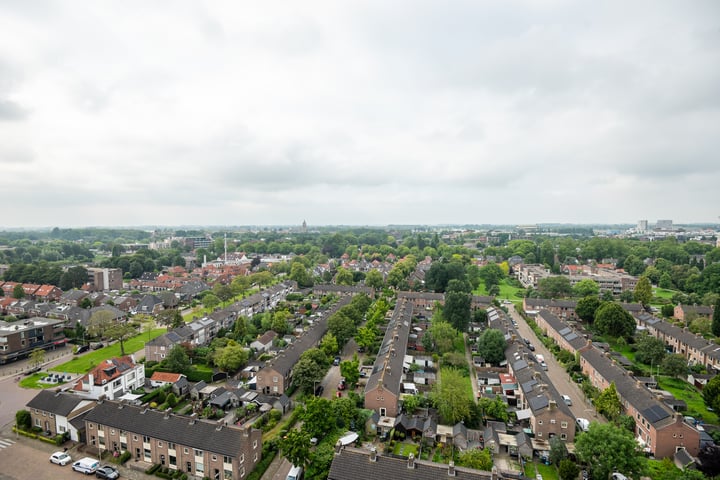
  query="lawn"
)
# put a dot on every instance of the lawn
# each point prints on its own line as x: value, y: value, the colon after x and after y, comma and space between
x: 684, y: 391
x: 33, y: 381
x: 506, y: 291
x: 85, y: 362
x: 664, y: 293
x: 405, y: 449
x: 548, y: 472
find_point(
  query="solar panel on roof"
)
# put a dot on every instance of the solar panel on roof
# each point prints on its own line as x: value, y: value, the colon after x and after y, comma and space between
x: 655, y: 413
x: 572, y: 336
x: 565, y: 331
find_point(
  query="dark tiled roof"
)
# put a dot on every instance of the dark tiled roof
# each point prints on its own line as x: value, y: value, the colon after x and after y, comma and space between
x: 58, y: 403
x: 355, y: 464
x: 175, y: 428
x: 388, y: 368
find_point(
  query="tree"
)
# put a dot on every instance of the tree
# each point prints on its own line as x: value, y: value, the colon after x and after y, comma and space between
x: 329, y: 344
x: 701, y: 326
x: 18, y: 291
x: 365, y: 336
x: 299, y: 273
x: 85, y: 303
x: 210, y: 301
x: 650, y: 350
x: 306, y: 373
x: 74, y: 277
x: 675, y: 365
x: 442, y: 335
x: 716, y: 319
x: 643, y: 291
x: 318, y: 417
x: 491, y: 274
x: 457, y: 305
x: 568, y: 470
x: 491, y: 345
x: 223, y: 292
x: 120, y: 331
x: 608, y: 402
x: 295, y: 447
x: 450, y: 396
x: 231, y: 357
x: 612, y: 319
x: 607, y: 448
x: 374, y: 279
x: 350, y: 369
x: 709, y: 458
x: 476, y: 458
x: 37, y: 357
x: 586, y: 308
x: 23, y: 420
x: 177, y: 360
x: 554, y: 287
x: 342, y: 326
x: 148, y: 326
x: 711, y: 393
x: 99, y: 322
x: 667, y: 310
x: 585, y: 288
x: 343, y: 277
x: 558, y: 451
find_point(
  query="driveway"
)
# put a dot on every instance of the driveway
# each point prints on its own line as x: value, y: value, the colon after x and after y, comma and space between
x: 581, y: 407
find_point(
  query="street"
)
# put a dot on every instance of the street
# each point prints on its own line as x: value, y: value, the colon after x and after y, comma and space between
x: 581, y: 407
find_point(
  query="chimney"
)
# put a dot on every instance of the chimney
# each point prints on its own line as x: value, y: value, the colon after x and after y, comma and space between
x: 338, y: 447
x: 373, y: 454
x: 411, y: 461
x: 167, y: 412
x: 553, y: 404
x: 451, y: 469
x: 193, y: 418
x: 220, y: 424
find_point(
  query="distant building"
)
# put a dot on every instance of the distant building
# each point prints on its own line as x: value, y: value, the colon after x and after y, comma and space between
x: 105, y: 278
x: 642, y: 225
x: 19, y: 338
x: 664, y: 225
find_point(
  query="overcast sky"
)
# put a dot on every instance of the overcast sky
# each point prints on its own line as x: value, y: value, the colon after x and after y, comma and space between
x: 358, y: 113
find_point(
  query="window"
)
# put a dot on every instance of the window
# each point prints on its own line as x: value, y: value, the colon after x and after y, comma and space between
x: 563, y: 424
x: 563, y: 436
x: 227, y: 459
x: 198, y: 453
x: 185, y: 451
x: 134, y: 438
x: 553, y: 421
x: 539, y: 434
x: 38, y: 422
x: 52, y: 415
x: 146, y: 439
x: 173, y: 460
x: 91, y: 426
x: 255, y: 444
x: 199, y: 467
x: 159, y: 443
x: 92, y: 440
x: 242, y: 472
x: 171, y: 445
x: 112, y: 432
x: 255, y: 457
x: 214, y: 458
x: 242, y: 458
x: 674, y: 435
x: 275, y: 379
x: 540, y: 422
x: 44, y: 414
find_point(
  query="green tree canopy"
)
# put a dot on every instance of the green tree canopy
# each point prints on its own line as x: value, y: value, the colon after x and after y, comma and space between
x: 442, y: 335
x: 675, y: 365
x: 177, y: 360
x: 120, y: 331
x: 350, y: 369
x: 295, y: 447
x: 608, y: 402
x: 491, y: 345
x: 612, y: 319
x: 342, y: 326
x: 306, y: 373
x: 374, y: 279
x: 231, y: 357
x: 450, y: 396
x: 650, y: 350
x: 476, y: 458
x: 607, y: 448
x: 586, y: 287
x: 716, y: 319
x: 643, y: 291
x: 557, y: 286
x: 711, y: 393
x: 586, y: 308
x: 457, y: 305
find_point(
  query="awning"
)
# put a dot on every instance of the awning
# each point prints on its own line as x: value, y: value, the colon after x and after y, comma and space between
x: 523, y: 414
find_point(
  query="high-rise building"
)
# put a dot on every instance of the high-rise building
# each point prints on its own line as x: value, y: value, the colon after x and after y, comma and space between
x: 664, y: 225
x: 105, y: 278
x: 642, y: 225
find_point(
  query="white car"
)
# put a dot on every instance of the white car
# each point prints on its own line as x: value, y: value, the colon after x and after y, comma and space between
x: 618, y: 476
x: 583, y: 424
x: 60, y: 458
x: 567, y: 400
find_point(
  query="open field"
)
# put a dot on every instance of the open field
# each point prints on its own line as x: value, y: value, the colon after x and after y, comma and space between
x: 85, y: 362
x: 506, y: 291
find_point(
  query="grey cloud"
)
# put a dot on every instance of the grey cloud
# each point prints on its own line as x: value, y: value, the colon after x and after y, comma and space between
x: 12, y: 111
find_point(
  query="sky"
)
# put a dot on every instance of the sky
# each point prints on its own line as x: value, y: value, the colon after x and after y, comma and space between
x: 125, y: 113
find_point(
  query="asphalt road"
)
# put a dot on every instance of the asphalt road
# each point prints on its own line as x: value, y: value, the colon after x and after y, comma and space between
x: 581, y: 407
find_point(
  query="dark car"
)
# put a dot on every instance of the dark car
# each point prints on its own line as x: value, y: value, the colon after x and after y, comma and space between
x: 531, y: 347
x: 318, y: 390
x: 107, y: 472
x: 82, y: 349
x: 336, y: 362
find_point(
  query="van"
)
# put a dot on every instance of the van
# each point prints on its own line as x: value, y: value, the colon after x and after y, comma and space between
x: 86, y: 465
x: 295, y: 473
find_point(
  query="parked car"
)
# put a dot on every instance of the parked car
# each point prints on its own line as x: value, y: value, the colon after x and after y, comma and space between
x: 567, y: 400
x: 319, y: 390
x: 60, y: 458
x: 336, y: 361
x: 583, y: 424
x: 531, y: 347
x: 82, y: 349
x: 86, y: 465
x: 342, y: 385
x: 618, y: 476
x: 107, y: 472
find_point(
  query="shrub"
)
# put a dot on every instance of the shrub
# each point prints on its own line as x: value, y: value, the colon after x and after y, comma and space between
x: 124, y: 457
x: 152, y: 469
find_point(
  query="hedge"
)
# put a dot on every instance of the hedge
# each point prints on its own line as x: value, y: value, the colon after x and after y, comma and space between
x: 196, y: 376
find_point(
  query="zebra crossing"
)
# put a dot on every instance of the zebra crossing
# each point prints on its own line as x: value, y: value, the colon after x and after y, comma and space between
x: 5, y: 443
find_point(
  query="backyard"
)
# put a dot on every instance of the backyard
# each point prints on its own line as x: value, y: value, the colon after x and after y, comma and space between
x: 506, y: 291
x: 548, y: 472
x: 694, y: 399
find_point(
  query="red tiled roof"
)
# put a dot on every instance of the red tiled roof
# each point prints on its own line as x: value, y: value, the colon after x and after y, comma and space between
x: 165, y: 377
